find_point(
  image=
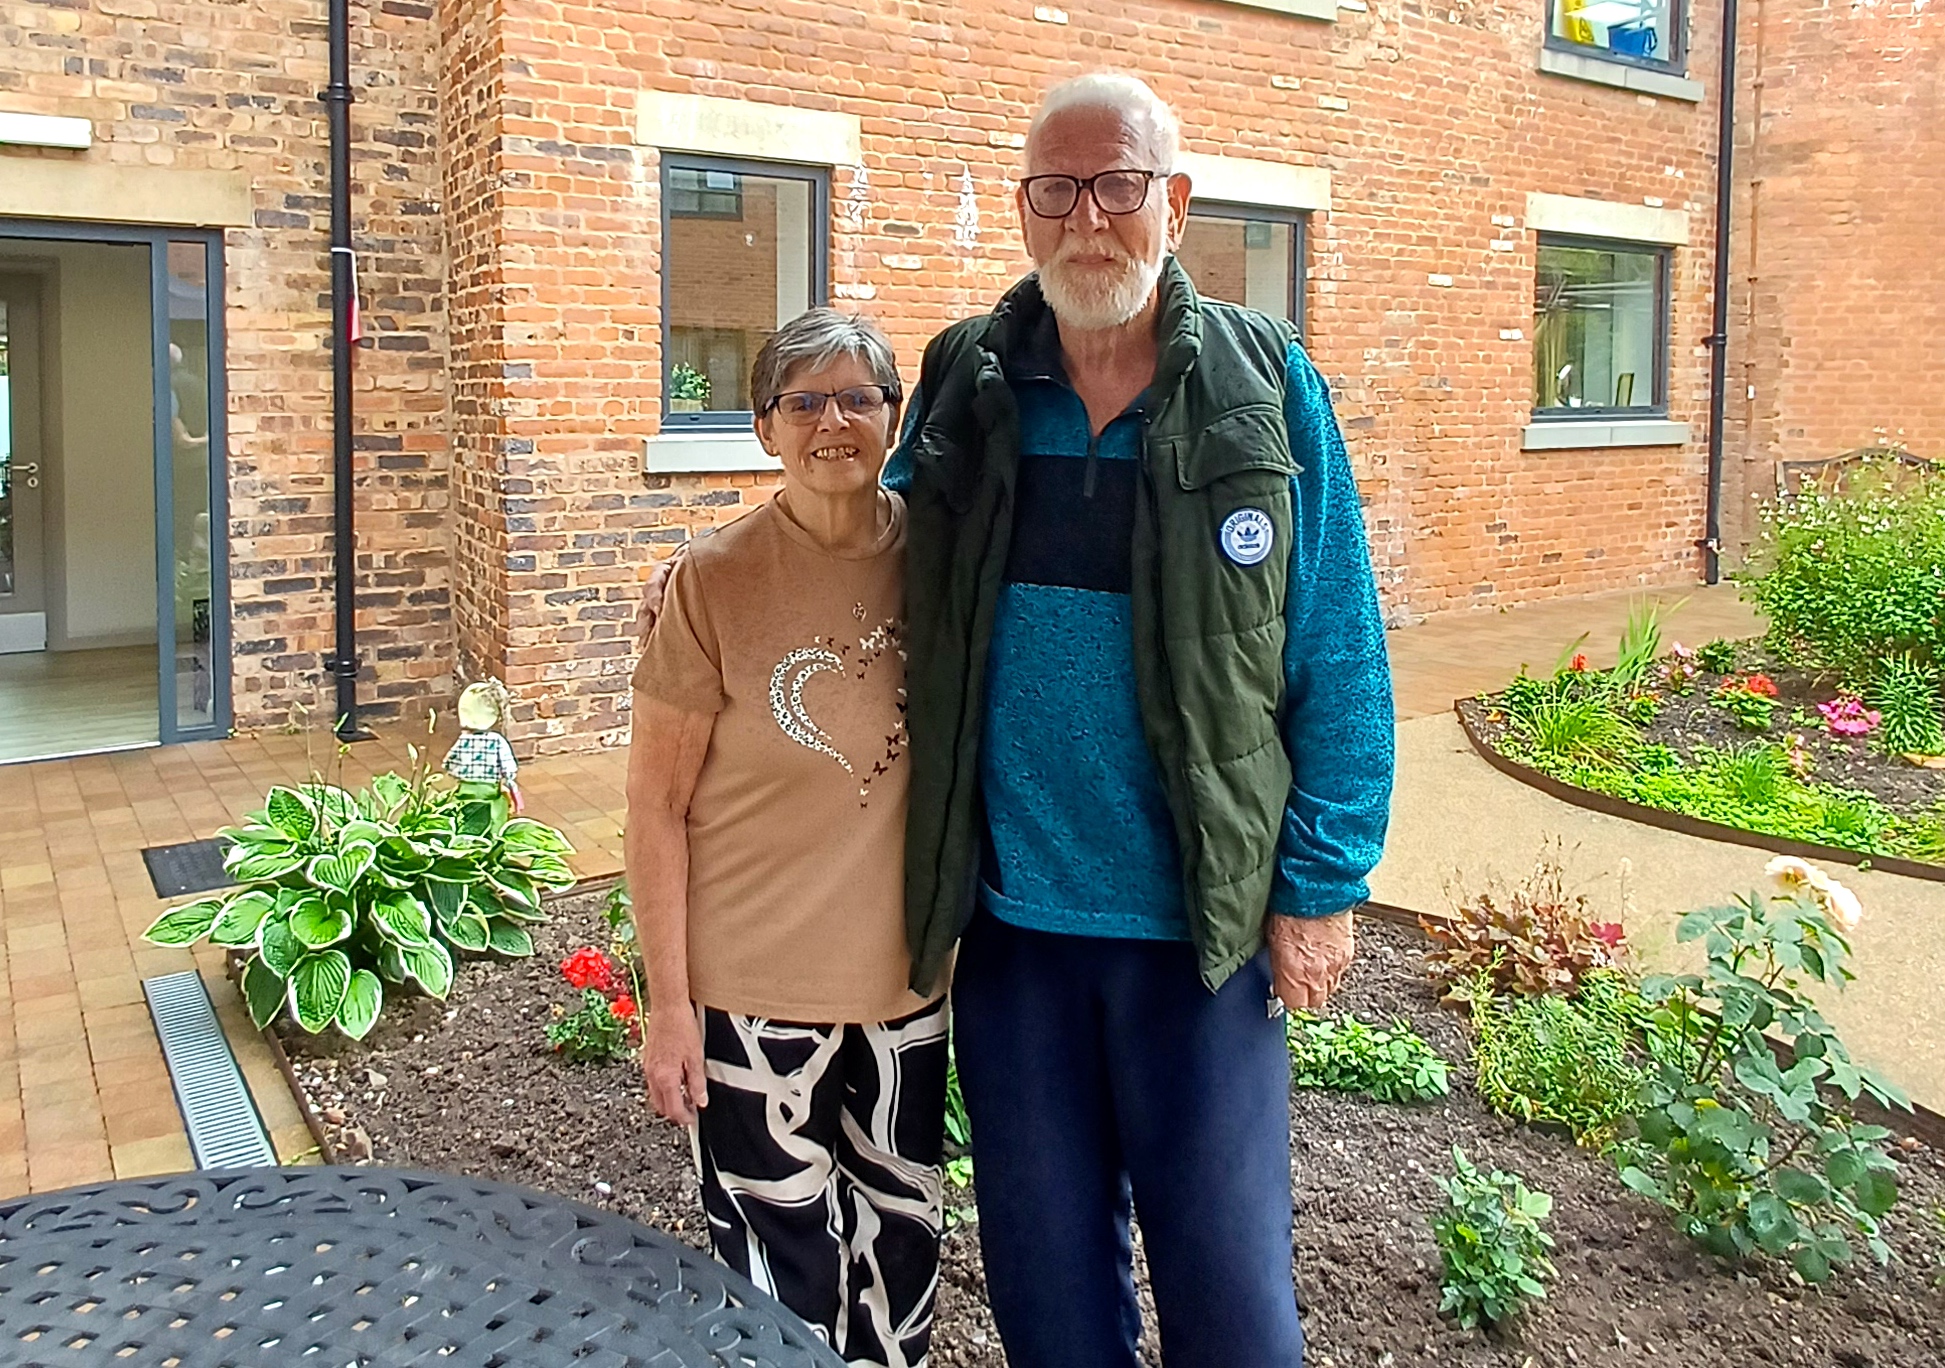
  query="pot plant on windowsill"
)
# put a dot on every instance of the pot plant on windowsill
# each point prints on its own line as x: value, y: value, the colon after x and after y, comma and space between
x: 688, y: 389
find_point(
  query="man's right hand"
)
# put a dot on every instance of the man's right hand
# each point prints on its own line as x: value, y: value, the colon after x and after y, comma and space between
x: 672, y: 1063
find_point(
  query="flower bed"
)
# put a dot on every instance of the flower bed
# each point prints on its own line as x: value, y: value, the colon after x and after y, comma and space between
x: 470, y: 1085
x: 1752, y: 744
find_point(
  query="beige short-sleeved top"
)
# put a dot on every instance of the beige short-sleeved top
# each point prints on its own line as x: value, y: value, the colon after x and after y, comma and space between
x: 797, y: 826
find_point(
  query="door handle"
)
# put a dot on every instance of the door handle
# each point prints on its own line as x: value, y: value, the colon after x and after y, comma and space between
x: 31, y: 470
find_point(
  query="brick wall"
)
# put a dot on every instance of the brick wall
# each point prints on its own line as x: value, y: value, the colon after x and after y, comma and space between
x: 1435, y: 127
x: 195, y: 84
x: 1838, y: 311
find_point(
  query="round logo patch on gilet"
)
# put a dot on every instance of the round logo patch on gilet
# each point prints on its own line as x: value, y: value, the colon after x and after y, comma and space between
x: 1247, y: 536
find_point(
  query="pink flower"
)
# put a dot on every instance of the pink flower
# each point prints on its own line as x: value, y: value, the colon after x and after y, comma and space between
x: 1609, y: 934
x: 1846, y: 716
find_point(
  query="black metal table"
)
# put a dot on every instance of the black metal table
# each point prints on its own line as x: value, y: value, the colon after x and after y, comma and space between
x: 370, y: 1267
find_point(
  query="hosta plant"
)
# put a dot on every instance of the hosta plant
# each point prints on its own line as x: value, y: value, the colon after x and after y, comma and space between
x: 1750, y: 1157
x: 347, y: 896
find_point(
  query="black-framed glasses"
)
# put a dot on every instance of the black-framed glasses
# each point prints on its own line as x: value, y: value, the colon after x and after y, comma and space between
x: 1121, y: 191
x: 801, y: 408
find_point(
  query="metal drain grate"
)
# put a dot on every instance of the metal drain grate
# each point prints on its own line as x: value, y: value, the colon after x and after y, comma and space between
x: 192, y: 867
x: 225, y: 1129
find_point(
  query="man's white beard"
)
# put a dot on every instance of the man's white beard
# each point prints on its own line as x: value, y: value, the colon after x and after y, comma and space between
x: 1081, y: 300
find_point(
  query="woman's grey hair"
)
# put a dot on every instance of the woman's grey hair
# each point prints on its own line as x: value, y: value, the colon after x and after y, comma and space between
x: 1144, y: 112
x: 815, y: 338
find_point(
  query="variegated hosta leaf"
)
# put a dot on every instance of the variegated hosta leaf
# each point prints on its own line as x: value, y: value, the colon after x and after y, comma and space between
x: 391, y: 964
x: 263, y: 990
x: 184, y: 925
x: 280, y: 949
x: 431, y: 965
x: 362, y: 830
x: 402, y: 917
x: 241, y: 916
x: 390, y: 790
x: 249, y: 865
x: 515, y: 887
x: 316, y: 989
x: 550, y: 871
x: 524, y: 833
x: 291, y: 812
x: 454, y: 869
x: 467, y: 931
x: 446, y: 898
x: 335, y: 805
x: 363, y: 997
x: 320, y: 922
x: 342, y: 869
x: 511, y: 940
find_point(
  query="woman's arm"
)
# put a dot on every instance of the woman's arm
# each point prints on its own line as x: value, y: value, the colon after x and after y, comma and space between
x: 665, y: 755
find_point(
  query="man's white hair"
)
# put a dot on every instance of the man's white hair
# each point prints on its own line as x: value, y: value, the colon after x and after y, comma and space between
x: 1119, y: 92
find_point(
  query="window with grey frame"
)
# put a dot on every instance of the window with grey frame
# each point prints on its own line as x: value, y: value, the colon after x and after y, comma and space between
x: 1600, y: 329
x: 1244, y: 254
x: 1649, y: 33
x: 745, y: 249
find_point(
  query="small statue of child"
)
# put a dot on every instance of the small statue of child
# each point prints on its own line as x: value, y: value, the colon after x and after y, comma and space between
x: 481, y: 759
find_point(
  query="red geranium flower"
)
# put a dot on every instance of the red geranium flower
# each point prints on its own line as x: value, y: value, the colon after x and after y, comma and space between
x: 588, y: 968
x: 1761, y: 684
x: 623, y: 1007
x: 1579, y: 663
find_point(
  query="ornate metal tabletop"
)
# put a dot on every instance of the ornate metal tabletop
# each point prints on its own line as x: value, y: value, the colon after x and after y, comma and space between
x: 370, y: 1267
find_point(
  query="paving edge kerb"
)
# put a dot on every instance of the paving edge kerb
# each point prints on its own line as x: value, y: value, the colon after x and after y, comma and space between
x: 1679, y: 822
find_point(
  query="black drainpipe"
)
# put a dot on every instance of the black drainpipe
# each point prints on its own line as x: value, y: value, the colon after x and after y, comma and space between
x: 343, y: 663
x: 1718, y: 341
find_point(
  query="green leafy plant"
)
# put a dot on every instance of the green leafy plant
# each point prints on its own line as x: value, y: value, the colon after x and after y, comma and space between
x: 594, y: 1032
x: 688, y: 384
x: 1751, y: 701
x: 1717, y: 657
x: 1561, y: 1060
x: 958, y: 1124
x: 1756, y: 775
x: 1530, y: 937
x: 1748, y: 1156
x: 1491, y: 1243
x: 1905, y: 693
x: 1344, y: 1054
x: 1850, y: 577
x: 344, y: 894
x: 1640, y: 646
x: 1639, y: 709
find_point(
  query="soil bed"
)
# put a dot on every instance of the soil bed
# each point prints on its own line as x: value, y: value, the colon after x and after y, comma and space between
x: 469, y: 1086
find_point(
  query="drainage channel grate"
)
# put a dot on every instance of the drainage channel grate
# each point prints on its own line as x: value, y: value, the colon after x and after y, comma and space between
x: 225, y: 1130
x: 192, y: 867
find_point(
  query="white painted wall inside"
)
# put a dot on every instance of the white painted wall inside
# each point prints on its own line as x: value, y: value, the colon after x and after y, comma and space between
x: 101, y: 453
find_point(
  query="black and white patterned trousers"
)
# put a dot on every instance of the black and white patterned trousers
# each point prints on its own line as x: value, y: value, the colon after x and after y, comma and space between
x: 820, y: 1156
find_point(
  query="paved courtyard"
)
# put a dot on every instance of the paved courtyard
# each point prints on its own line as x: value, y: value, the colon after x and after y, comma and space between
x: 84, y: 1095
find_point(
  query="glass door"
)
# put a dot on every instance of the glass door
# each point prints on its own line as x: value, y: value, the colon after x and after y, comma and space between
x: 192, y: 616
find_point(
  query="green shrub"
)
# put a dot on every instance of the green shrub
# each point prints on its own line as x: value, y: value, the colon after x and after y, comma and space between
x: 1754, y: 776
x: 1564, y: 1060
x: 1344, y: 1054
x: 1578, y: 729
x: 1850, y: 578
x: 1717, y: 657
x: 1905, y: 692
x: 1748, y: 1157
x: 1491, y: 1244
x: 592, y: 1032
x: 346, y: 893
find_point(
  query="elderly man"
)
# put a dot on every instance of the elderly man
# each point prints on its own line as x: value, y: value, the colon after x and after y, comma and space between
x: 1151, y: 742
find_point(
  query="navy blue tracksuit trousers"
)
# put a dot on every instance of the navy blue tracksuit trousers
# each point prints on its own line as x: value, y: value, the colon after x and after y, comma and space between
x: 1099, y: 1070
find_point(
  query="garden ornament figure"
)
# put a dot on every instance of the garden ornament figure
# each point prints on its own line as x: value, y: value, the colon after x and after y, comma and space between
x: 1151, y: 739
x: 481, y: 759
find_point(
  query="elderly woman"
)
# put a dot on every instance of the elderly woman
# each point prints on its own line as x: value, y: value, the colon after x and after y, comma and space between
x: 766, y: 818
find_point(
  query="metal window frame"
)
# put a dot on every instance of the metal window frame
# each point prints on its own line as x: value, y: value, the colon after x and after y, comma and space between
x: 1298, y: 219
x: 1675, y: 63
x: 1664, y: 286
x: 819, y: 178
x: 157, y: 240
x: 671, y: 192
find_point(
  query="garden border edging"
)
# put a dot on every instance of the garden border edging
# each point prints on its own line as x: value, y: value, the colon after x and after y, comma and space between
x: 1678, y: 822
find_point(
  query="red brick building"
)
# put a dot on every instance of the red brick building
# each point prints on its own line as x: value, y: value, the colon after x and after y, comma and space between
x: 574, y: 222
